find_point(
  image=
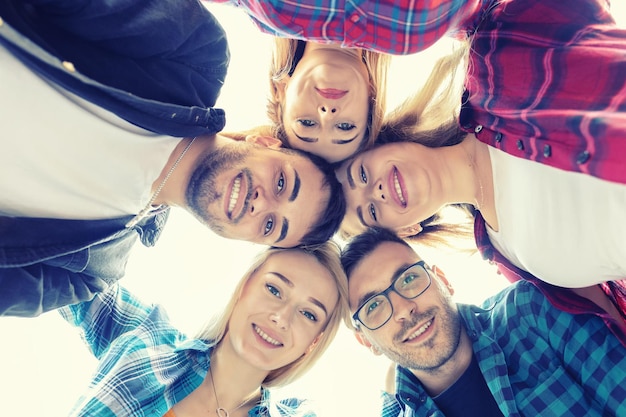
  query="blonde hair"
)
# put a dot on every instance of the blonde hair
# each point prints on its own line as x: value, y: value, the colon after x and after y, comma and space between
x: 283, y: 62
x: 327, y: 254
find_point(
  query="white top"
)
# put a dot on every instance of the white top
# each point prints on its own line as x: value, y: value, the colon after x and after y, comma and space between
x: 566, y: 228
x: 63, y: 157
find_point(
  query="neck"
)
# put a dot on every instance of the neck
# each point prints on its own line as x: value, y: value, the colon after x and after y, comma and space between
x: 173, y: 192
x: 436, y: 381
x: 313, y: 47
x: 225, y: 365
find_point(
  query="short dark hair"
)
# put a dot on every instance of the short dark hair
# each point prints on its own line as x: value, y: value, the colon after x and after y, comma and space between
x: 331, y: 217
x: 362, y: 245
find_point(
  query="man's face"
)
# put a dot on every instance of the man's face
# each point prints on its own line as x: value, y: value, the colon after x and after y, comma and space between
x: 422, y: 333
x: 249, y: 192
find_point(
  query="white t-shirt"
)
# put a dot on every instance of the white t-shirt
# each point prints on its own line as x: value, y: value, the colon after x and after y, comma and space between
x: 63, y: 157
x: 566, y: 228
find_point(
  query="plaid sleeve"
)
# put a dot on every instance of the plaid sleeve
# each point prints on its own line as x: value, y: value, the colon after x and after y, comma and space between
x: 388, y: 26
x: 107, y: 316
x: 390, y: 405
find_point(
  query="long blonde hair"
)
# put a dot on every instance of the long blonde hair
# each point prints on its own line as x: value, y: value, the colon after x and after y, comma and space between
x: 327, y: 254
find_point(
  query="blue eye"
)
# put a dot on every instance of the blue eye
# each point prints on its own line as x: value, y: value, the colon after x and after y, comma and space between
x: 273, y: 290
x: 363, y: 175
x: 306, y: 122
x: 269, y: 226
x: 408, y: 279
x: 280, y: 183
x: 372, y: 306
x: 309, y: 315
x: 372, y: 211
x: 345, y: 126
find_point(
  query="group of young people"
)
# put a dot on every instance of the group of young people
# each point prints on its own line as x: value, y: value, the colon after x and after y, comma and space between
x: 540, y: 108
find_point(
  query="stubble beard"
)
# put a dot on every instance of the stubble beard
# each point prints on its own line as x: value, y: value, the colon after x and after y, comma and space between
x: 203, y: 189
x: 429, y: 356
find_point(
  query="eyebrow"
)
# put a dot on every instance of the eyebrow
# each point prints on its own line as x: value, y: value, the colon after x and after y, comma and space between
x: 296, y: 187
x: 359, y: 214
x: 349, y: 175
x: 370, y: 294
x: 335, y: 141
x: 283, y: 230
x: 290, y: 284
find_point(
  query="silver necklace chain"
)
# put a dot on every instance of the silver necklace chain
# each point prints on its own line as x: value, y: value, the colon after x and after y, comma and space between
x: 222, y: 412
x: 133, y: 222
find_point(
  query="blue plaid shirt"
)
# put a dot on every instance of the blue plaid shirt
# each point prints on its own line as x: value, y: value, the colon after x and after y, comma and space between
x: 537, y: 361
x: 145, y: 364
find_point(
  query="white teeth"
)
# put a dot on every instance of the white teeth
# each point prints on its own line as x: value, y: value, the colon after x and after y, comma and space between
x: 234, y: 195
x: 398, y: 189
x: 420, y: 330
x: 266, y: 337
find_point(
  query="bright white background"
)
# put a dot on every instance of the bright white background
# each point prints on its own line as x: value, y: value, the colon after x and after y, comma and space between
x: 44, y: 365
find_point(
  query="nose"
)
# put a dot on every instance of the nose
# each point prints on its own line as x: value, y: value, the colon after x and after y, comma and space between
x: 281, y: 317
x: 402, y: 308
x: 258, y: 202
x: 377, y: 192
x: 326, y: 109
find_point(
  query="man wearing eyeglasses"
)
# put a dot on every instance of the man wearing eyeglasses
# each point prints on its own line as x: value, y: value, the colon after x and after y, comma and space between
x: 516, y: 355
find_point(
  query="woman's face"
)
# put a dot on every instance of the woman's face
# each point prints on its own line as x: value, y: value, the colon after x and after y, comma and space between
x: 394, y: 186
x: 282, y: 310
x: 326, y: 103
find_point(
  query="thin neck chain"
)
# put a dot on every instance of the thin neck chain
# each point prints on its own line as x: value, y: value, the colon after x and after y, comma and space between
x: 148, y: 206
x: 222, y: 412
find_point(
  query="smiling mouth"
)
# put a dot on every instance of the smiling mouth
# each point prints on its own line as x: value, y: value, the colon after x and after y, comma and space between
x: 266, y: 337
x: 398, y: 188
x: 420, y: 331
x: 234, y: 195
x: 331, y: 93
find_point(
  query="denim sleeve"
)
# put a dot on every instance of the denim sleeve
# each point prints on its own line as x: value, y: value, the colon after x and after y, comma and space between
x: 106, y: 317
x: 31, y: 290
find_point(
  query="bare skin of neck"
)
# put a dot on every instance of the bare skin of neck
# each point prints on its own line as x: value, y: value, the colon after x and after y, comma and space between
x: 236, y: 382
x: 478, y: 154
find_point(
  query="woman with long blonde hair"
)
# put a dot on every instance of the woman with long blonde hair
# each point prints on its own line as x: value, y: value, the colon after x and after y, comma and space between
x: 283, y: 315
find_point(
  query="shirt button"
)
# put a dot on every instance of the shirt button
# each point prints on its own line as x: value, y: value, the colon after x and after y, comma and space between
x: 478, y: 128
x: 69, y: 66
x: 520, y: 145
x: 498, y: 137
x: 547, y: 151
x: 355, y: 18
x: 582, y: 157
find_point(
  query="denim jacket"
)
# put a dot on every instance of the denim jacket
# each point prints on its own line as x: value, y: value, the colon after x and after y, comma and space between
x: 159, y: 64
x: 49, y: 263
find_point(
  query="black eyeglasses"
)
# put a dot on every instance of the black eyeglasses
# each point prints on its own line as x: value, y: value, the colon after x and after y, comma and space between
x: 376, y: 311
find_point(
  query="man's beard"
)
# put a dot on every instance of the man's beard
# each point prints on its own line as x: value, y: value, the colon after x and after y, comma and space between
x: 428, y: 357
x: 203, y: 190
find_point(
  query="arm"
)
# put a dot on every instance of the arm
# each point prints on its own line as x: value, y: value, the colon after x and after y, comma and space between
x: 31, y: 290
x: 107, y: 316
x: 389, y: 26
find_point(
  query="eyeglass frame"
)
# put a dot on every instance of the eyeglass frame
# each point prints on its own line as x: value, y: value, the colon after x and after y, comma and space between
x: 385, y: 293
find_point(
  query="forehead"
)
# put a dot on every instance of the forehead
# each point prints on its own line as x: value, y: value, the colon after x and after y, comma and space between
x: 309, y: 277
x: 376, y: 270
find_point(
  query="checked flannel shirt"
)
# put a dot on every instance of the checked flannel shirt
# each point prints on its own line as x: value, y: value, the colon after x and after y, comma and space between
x: 536, y: 360
x: 390, y: 26
x: 145, y: 364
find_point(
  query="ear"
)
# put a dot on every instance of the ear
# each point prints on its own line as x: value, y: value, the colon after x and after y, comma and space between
x: 279, y: 89
x: 265, y: 141
x: 362, y: 339
x: 408, y: 231
x: 313, y: 344
x: 442, y: 277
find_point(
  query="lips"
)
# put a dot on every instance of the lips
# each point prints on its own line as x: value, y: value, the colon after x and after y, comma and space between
x: 331, y: 93
x: 266, y: 337
x: 235, y: 197
x: 397, y: 188
x: 419, y: 331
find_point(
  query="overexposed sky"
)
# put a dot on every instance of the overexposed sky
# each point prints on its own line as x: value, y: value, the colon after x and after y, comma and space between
x: 45, y: 366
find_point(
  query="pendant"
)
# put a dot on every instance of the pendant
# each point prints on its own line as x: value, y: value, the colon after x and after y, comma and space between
x: 221, y: 412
